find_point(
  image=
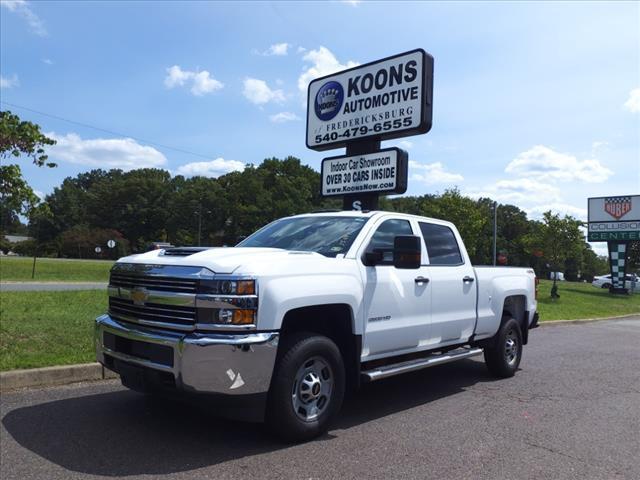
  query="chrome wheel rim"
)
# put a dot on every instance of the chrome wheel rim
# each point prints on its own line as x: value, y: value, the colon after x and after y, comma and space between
x: 511, y: 347
x: 312, y: 388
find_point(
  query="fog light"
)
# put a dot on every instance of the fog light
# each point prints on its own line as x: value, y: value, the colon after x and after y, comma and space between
x: 225, y: 316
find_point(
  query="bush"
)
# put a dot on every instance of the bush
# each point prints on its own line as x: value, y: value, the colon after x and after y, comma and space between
x: 80, y: 242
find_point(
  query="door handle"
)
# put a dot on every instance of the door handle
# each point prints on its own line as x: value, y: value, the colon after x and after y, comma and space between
x: 468, y: 279
x: 421, y: 280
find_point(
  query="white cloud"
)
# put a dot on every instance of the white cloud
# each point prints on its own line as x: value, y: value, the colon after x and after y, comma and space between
x: 406, y: 144
x: 47, y: 61
x: 353, y: 3
x: 277, y: 49
x: 543, y: 163
x: 213, y: 168
x: 283, y: 117
x: 431, y: 173
x: 9, y: 82
x: 23, y: 8
x: 201, y: 82
x: 633, y: 102
x: 258, y: 92
x: 323, y: 62
x: 558, y: 207
x: 519, y: 191
x: 123, y: 153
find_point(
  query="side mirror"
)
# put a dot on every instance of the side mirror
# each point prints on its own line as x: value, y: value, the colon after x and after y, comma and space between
x: 407, y: 252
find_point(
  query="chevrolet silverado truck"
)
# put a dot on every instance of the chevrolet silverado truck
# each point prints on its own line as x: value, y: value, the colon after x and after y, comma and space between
x: 280, y: 326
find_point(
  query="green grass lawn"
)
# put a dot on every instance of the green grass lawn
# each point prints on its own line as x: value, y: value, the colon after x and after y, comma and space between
x: 581, y: 300
x: 54, y: 269
x: 39, y: 329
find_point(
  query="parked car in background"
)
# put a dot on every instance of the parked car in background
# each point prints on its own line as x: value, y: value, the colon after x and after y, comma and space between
x: 557, y: 275
x: 604, y: 281
x: 158, y: 246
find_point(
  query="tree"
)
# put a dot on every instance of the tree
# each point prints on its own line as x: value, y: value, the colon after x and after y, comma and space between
x: 23, y: 138
x: 18, y: 138
x: 16, y: 197
x: 559, y: 239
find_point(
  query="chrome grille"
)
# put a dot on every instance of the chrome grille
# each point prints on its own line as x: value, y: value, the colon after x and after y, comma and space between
x: 153, y: 314
x: 163, y: 284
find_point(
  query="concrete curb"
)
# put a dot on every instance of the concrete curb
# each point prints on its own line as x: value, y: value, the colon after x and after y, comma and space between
x: 557, y: 323
x: 49, y: 376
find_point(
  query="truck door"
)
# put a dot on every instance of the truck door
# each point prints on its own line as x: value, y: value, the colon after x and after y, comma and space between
x: 453, y: 284
x: 396, y: 301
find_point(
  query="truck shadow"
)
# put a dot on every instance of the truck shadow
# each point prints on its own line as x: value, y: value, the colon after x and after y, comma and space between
x: 122, y: 433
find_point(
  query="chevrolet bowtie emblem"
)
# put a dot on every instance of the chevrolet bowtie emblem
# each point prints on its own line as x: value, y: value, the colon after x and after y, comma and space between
x: 139, y: 295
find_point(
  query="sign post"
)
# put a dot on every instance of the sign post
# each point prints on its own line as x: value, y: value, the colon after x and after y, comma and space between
x: 615, y: 220
x: 360, y: 107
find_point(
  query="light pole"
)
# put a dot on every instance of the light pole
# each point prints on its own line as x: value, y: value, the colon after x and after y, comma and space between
x: 495, y: 230
x: 199, y: 213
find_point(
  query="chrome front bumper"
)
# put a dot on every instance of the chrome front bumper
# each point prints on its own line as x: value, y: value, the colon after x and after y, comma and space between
x: 231, y: 364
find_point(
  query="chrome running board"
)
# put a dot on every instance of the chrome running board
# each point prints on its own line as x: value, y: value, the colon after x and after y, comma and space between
x: 409, y: 366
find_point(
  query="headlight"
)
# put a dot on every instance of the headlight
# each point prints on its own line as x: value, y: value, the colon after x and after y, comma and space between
x: 228, y: 287
x: 226, y: 303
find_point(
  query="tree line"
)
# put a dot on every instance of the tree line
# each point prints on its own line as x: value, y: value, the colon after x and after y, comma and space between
x: 141, y: 206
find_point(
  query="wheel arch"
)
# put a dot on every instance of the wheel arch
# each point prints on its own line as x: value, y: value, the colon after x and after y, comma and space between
x: 515, y: 306
x: 335, y: 321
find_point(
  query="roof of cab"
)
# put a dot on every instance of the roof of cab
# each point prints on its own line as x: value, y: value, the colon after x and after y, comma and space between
x: 369, y: 214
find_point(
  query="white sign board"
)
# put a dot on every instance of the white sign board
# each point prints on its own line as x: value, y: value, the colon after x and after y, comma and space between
x: 386, y: 99
x: 97, y: 249
x: 382, y: 171
x: 111, y: 243
x: 614, y: 218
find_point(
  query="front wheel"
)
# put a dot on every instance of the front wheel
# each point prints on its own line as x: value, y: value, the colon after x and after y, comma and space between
x: 307, y: 389
x: 504, y: 356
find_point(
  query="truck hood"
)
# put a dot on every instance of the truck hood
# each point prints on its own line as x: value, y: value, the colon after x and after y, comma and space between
x: 223, y: 260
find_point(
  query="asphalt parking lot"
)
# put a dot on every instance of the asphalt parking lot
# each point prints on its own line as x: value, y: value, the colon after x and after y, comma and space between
x: 572, y: 411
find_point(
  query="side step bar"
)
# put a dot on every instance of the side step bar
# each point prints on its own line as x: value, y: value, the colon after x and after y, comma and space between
x: 397, y: 368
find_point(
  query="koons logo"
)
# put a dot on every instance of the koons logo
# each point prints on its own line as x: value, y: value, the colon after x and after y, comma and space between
x: 329, y: 100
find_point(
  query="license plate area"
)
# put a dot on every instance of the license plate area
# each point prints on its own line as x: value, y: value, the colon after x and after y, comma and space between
x: 160, y: 354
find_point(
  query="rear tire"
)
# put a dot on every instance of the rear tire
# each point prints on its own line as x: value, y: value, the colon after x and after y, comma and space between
x: 307, y: 388
x: 607, y: 286
x: 503, y: 358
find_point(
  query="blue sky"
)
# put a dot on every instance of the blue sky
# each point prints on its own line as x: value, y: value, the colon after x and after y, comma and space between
x: 535, y: 104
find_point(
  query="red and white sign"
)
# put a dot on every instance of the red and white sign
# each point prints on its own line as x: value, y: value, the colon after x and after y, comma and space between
x: 617, y: 207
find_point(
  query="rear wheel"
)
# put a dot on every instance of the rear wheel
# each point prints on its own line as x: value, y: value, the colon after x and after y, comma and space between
x: 503, y: 358
x: 307, y: 389
x: 606, y: 285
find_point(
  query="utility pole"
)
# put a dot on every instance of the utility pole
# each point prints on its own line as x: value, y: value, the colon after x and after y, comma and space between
x: 495, y: 230
x: 199, y: 222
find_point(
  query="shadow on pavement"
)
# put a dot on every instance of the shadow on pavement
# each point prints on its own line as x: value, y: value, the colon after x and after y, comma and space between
x: 124, y: 433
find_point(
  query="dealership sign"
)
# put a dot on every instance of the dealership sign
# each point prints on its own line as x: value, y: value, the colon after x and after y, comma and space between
x: 385, y: 99
x: 614, y: 218
x: 381, y: 171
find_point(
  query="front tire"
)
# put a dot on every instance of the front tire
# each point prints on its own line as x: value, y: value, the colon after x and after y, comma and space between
x: 307, y: 388
x: 503, y: 358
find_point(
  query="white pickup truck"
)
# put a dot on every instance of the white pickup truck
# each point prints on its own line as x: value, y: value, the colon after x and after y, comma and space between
x: 280, y: 326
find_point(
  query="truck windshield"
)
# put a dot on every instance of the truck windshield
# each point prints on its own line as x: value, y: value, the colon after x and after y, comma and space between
x: 328, y: 236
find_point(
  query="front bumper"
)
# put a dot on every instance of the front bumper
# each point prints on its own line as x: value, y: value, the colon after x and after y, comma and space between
x: 229, y: 364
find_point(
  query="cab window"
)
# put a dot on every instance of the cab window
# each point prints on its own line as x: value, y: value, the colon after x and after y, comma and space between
x: 385, y: 236
x: 441, y: 243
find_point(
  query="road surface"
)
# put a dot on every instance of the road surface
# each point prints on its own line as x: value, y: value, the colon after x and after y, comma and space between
x: 571, y: 412
x: 50, y: 286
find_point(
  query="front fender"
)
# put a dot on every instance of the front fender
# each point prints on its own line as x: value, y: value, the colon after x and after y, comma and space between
x: 280, y: 295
